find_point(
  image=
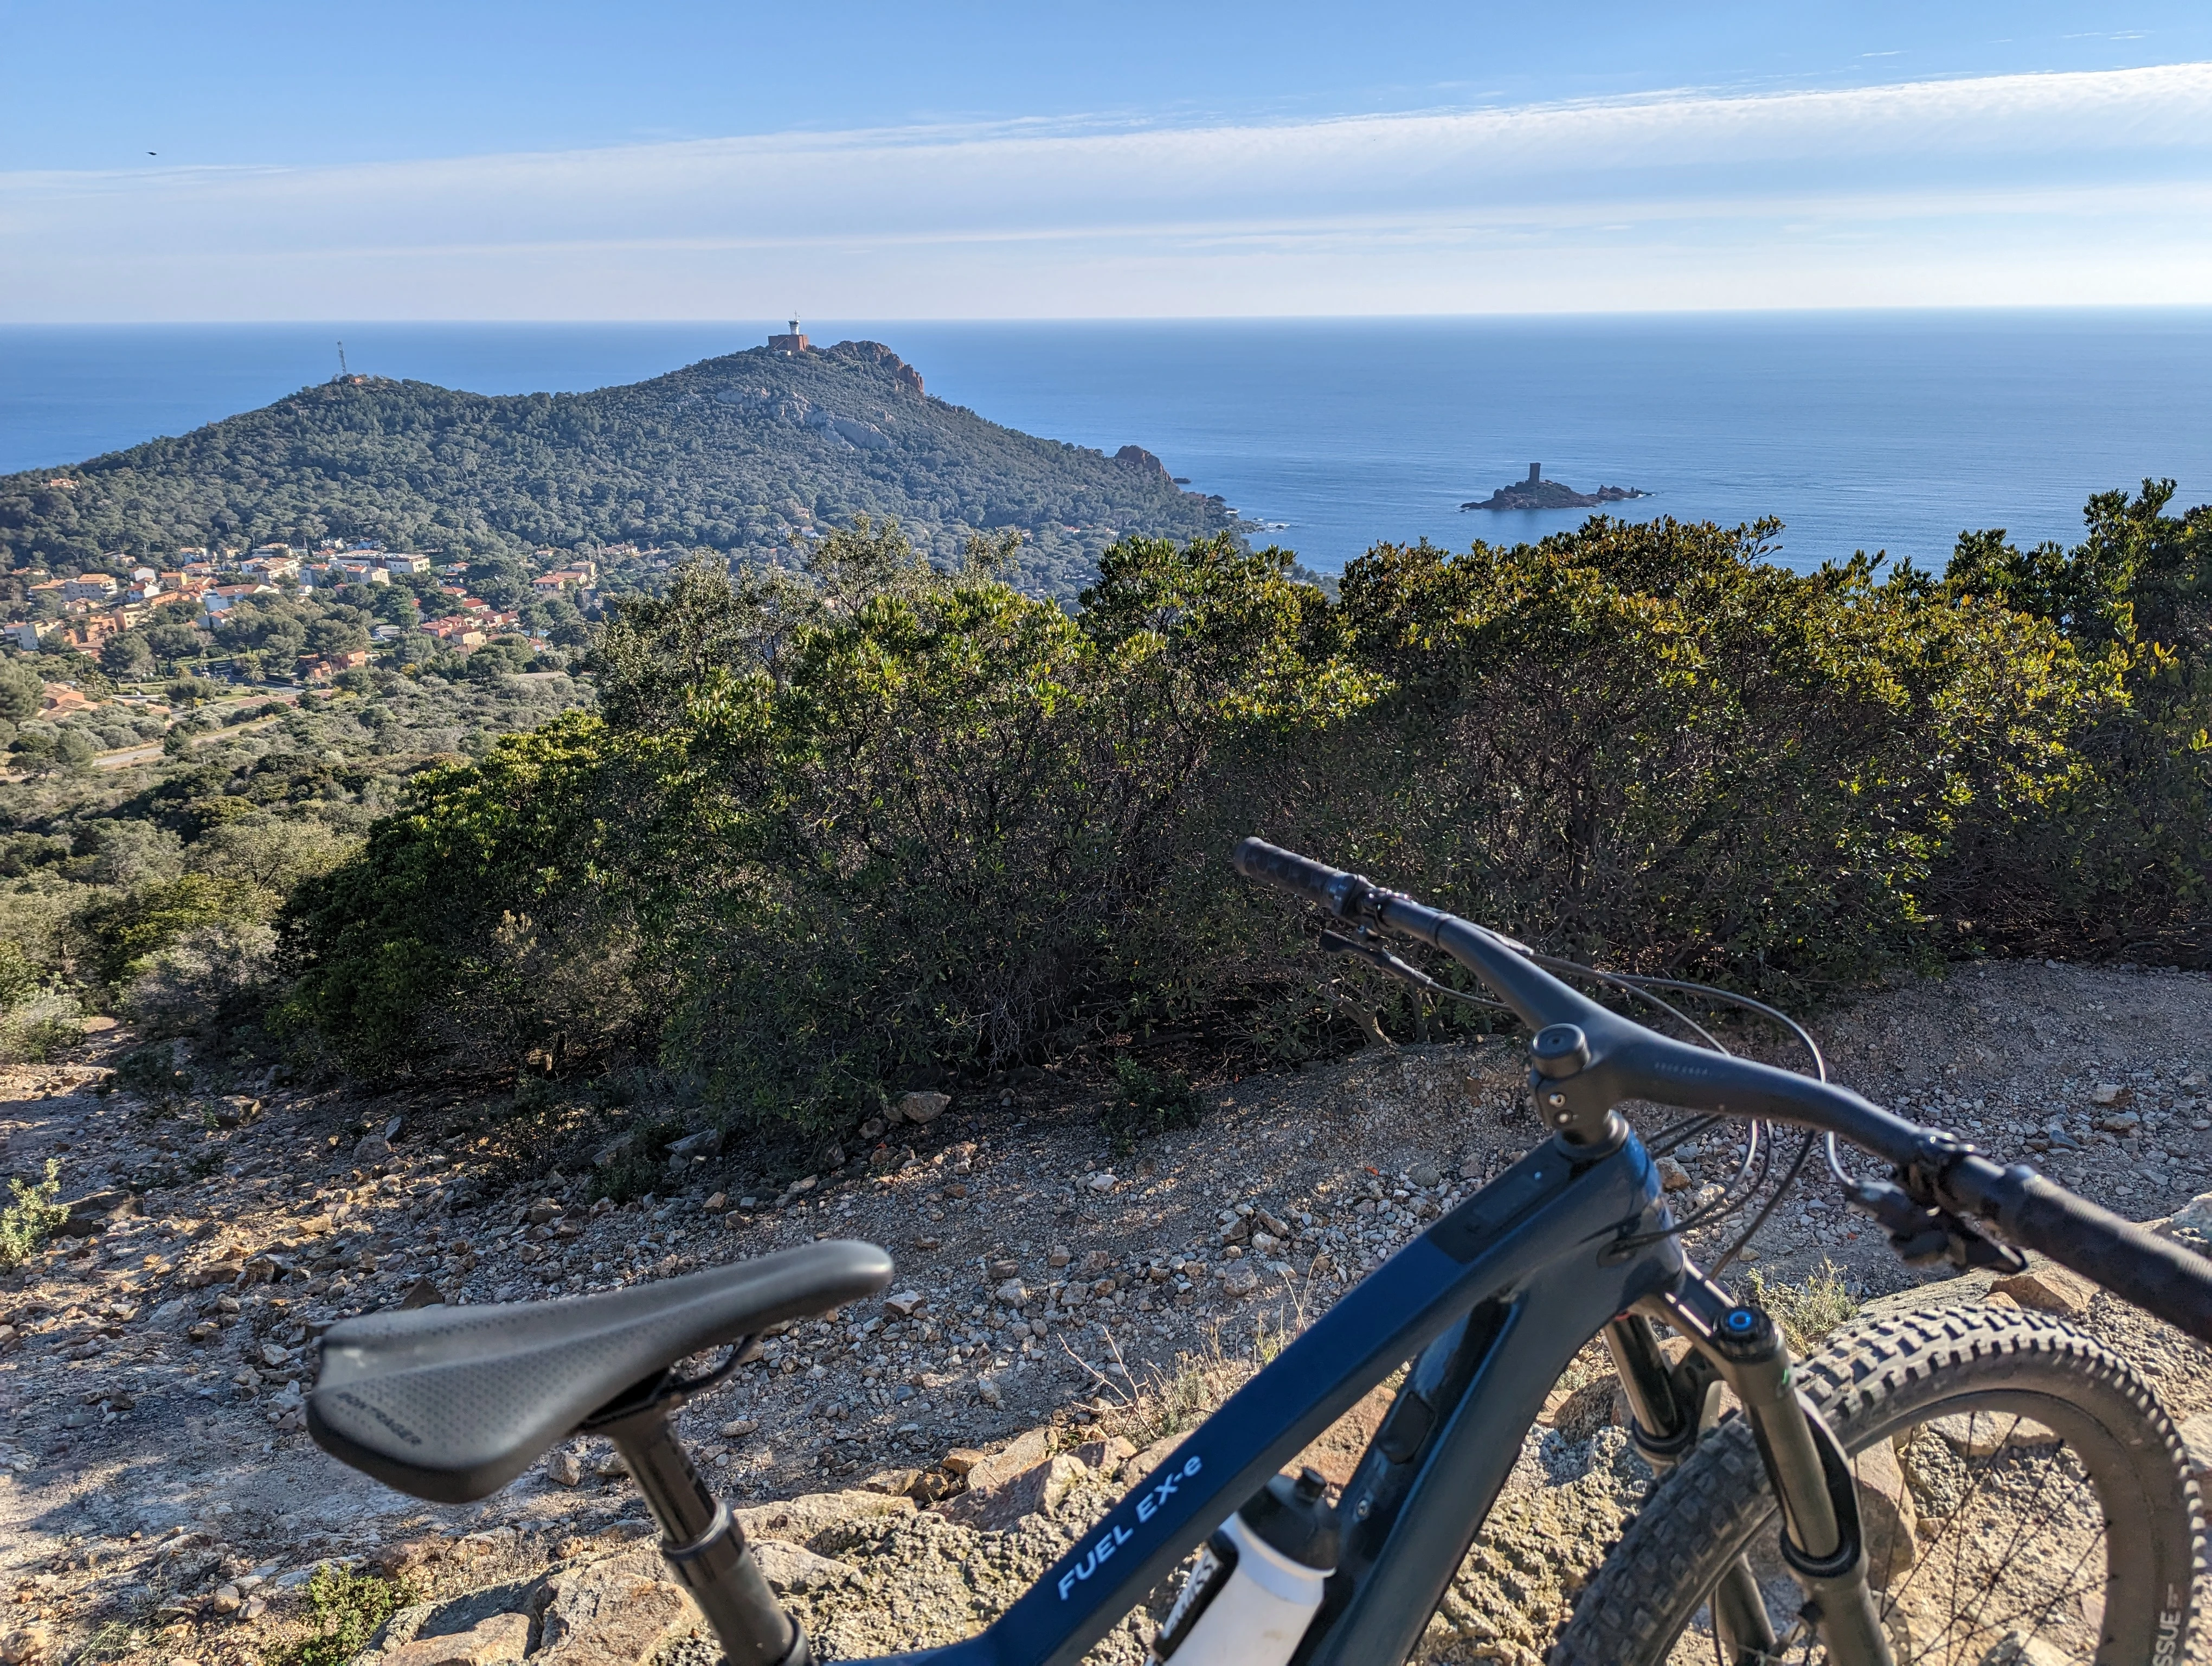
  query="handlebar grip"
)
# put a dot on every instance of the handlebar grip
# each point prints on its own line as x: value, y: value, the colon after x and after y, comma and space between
x: 2156, y: 1273
x: 1325, y: 887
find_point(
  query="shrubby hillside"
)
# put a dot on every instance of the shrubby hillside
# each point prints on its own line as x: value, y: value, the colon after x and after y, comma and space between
x: 736, y: 454
x: 151, y: 890
x: 833, y: 832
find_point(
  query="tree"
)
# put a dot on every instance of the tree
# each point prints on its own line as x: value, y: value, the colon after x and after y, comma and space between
x: 21, y: 689
x: 127, y: 658
x: 328, y: 637
x: 173, y: 641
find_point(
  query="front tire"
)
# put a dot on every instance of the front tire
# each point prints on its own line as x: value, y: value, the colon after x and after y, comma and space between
x: 2017, y: 1547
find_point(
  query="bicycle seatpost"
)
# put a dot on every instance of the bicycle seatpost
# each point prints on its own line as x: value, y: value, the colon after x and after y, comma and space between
x: 704, y: 1549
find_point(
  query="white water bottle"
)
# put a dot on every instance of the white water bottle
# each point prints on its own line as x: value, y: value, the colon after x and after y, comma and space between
x: 1258, y: 1582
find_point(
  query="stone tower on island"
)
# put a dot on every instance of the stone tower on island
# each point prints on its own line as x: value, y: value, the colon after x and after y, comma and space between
x: 792, y: 343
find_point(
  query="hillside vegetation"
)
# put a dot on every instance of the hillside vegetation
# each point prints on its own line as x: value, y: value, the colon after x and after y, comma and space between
x: 737, y: 454
x: 834, y: 833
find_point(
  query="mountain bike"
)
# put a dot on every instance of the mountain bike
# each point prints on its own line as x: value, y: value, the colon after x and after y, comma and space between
x: 2048, y: 1513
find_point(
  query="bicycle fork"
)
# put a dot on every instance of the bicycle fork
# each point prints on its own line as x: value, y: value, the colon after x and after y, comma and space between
x: 1811, y: 1477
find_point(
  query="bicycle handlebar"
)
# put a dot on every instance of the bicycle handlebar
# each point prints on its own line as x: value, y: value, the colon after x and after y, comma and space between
x: 1625, y: 1060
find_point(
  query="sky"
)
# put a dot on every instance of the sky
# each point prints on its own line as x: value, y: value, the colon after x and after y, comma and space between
x: 561, y: 160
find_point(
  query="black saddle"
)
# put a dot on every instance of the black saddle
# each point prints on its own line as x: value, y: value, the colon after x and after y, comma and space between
x: 451, y: 1403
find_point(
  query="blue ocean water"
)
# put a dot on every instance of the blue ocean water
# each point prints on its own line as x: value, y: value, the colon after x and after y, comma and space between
x: 1861, y: 431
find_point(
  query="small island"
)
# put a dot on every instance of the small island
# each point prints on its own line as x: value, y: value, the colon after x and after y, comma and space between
x: 1538, y: 493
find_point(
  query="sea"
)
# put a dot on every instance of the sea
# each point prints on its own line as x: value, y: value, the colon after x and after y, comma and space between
x: 1875, y: 431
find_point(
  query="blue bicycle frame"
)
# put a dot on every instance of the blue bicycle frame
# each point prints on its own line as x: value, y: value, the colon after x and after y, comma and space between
x: 1495, y: 1298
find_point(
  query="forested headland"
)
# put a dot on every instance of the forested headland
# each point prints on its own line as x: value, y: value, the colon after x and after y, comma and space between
x: 739, y: 454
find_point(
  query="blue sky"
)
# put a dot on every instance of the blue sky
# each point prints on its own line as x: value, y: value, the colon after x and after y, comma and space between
x: 561, y: 160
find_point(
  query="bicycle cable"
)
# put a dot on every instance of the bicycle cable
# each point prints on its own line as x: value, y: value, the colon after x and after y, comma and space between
x: 1758, y: 1144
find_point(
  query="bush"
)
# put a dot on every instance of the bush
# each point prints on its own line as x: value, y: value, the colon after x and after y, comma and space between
x: 1145, y: 1105
x: 31, y: 1218
x: 832, y: 829
x: 207, y: 975
x: 347, y: 1608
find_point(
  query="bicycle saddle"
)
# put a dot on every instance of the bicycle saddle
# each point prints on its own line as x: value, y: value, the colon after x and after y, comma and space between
x: 451, y: 1403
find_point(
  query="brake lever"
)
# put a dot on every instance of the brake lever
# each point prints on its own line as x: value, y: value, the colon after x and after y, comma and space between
x: 1923, y: 1235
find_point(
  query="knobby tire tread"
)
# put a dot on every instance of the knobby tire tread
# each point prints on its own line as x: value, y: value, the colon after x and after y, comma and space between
x: 1638, y: 1604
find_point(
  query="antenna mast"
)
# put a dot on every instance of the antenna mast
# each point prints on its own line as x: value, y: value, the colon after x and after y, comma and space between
x: 344, y: 374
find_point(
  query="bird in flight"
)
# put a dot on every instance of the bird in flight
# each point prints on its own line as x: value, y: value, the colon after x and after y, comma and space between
x: 152, y: 153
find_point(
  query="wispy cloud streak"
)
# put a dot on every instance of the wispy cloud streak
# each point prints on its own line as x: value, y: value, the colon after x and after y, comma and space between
x: 2059, y: 187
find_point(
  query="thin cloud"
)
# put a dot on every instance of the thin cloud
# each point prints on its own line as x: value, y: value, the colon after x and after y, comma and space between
x: 2093, y: 170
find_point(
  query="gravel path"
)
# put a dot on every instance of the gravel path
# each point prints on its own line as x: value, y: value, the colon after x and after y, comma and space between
x: 150, y: 1374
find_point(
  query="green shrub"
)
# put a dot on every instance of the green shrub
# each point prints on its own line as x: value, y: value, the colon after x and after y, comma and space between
x: 833, y: 829
x: 642, y: 1165
x: 347, y: 1608
x: 1807, y: 1309
x: 1145, y: 1105
x: 31, y: 1218
x: 153, y: 1075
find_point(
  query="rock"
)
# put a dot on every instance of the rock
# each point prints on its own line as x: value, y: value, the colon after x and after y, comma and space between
x: 1005, y: 1269
x: 503, y: 1638
x: 989, y: 1392
x: 893, y: 1483
x: 1673, y: 1176
x: 562, y: 1470
x: 739, y: 1428
x: 871, y: 1130
x: 705, y: 1143
x: 716, y: 1204
x: 961, y: 1459
x: 2050, y: 1288
x: 2125, y: 1122
x: 2110, y: 1093
x: 1588, y: 1409
x: 1107, y: 1456
x: 904, y: 1303
x: 1035, y: 1490
x: 227, y: 1599
x: 618, y: 1612
x: 1135, y: 1469
x: 421, y: 1293
x: 1021, y: 1454
x: 372, y: 1148
x: 1102, y: 1182
x: 543, y: 1210
x: 1978, y: 1434
x: 23, y: 1646
x: 1058, y: 1256
x: 790, y: 1568
x: 2013, y: 1650
x: 1425, y: 1175
x: 2192, y: 1223
x: 801, y: 1519
x: 1011, y: 1292
x: 1240, y: 1277
x: 922, y: 1108
x: 1887, y: 1515
x: 88, y: 1216
x: 2196, y: 1438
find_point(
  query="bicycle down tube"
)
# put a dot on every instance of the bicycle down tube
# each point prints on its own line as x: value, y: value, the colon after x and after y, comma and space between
x: 1501, y: 1293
